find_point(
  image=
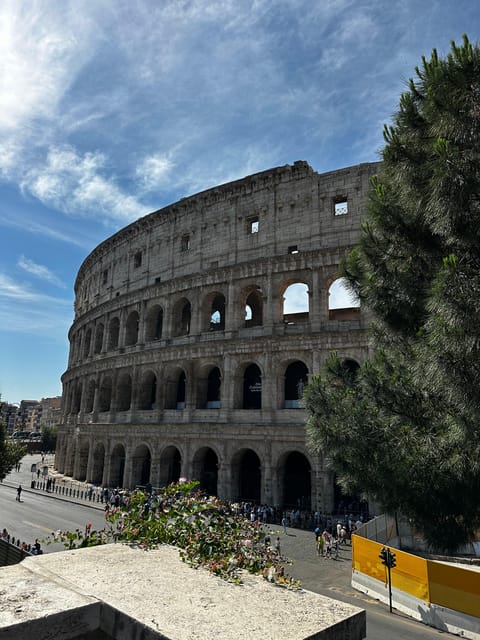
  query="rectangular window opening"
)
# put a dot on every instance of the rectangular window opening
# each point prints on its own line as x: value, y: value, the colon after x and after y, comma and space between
x: 253, y: 225
x: 293, y: 249
x: 340, y: 206
x: 137, y: 259
x: 185, y: 243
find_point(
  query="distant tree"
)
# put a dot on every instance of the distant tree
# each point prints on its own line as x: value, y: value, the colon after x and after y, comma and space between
x: 405, y: 429
x: 11, y: 452
x: 49, y: 438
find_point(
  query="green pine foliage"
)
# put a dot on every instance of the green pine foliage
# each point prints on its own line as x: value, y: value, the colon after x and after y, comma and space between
x: 406, y: 429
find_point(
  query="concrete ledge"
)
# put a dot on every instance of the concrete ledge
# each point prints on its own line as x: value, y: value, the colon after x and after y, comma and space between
x: 120, y: 593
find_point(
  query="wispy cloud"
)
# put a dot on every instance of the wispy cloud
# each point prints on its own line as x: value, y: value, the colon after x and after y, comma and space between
x: 39, y: 271
x: 17, y: 291
x: 75, y: 184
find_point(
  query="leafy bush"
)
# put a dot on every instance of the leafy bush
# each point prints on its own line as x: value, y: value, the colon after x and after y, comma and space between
x: 208, y: 533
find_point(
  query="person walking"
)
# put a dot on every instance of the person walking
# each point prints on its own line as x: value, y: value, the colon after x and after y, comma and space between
x: 284, y: 523
x: 19, y: 493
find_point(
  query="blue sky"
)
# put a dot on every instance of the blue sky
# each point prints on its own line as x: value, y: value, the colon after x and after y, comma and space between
x: 110, y: 109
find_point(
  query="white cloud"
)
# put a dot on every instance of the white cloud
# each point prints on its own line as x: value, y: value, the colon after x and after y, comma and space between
x: 73, y: 183
x: 154, y: 170
x: 10, y: 289
x: 39, y: 271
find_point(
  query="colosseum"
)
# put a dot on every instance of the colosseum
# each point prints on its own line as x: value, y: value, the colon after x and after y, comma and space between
x: 196, y: 328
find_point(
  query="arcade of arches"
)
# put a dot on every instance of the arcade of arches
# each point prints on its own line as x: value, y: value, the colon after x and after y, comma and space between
x: 242, y: 474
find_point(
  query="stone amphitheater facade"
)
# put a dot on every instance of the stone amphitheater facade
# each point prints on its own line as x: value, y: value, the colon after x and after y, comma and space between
x: 187, y: 354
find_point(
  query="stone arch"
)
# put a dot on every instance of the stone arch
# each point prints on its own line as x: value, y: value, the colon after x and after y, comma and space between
x: 296, y: 377
x: 154, y: 323
x: 117, y: 466
x: 252, y: 387
x: 90, y: 396
x: 124, y: 392
x: 205, y: 470
x: 182, y: 317
x: 214, y: 312
x: 105, y: 394
x: 296, y: 302
x: 77, y: 398
x: 147, y: 398
x: 342, y: 304
x: 141, y: 465
x: 99, y: 331
x: 87, y: 343
x: 246, y: 476
x: 170, y: 465
x: 113, y: 333
x: 82, y: 461
x: 176, y: 389
x: 131, y: 328
x: 350, y: 366
x: 295, y: 479
x: 98, y: 463
x: 209, y: 385
x: 254, y: 308
x: 70, y: 458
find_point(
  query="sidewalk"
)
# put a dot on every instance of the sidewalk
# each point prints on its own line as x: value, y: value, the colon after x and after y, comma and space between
x: 64, y: 488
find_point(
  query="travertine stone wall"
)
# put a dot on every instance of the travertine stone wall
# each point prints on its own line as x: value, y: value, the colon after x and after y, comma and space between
x: 184, y: 360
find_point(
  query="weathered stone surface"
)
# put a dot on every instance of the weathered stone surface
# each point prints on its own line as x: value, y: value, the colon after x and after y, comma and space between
x: 156, y: 384
x: 130, y: 593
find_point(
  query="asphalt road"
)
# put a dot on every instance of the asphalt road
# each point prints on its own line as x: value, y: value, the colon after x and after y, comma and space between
x: 39, y: 514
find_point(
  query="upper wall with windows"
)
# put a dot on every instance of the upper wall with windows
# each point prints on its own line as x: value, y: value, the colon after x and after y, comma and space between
x: 285, y: 211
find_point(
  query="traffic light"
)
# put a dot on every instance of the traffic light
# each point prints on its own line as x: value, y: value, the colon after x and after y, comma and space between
x: 384, y: 556
x: 388, y: 558
x: 392, y: 559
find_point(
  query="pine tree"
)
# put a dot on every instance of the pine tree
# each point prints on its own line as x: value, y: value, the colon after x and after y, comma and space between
x: 406, y: 429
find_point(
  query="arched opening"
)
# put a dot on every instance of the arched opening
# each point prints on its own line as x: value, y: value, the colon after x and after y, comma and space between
x: 182, y: 316
x: 131, y: 329
x: 296, y: 485
x: 346, y: 504
x: 252, y: 388
x: 254, y: 309
x: 105, y: 395
x: 217, y: 313
x: 141, y: 465
x: 170, y: 466
x: 350, y: 367
x: 124, y: 392
x: 148, y: 392
x: 247, y: 475
x: 296, y: 303
x: 90, y: 398
x: 97, y: 348
x: 296, y: 377
x: 82, y: 462
x: 205, y: 470
x: 77, y: 400
x: 154, y: 324
x: 98, y: 464
x: 213, y: 389
x: 113, y: 333
x: 117, y: 466
x: 181, y: 391
x: 87, y: 343
x: 342, y: 303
